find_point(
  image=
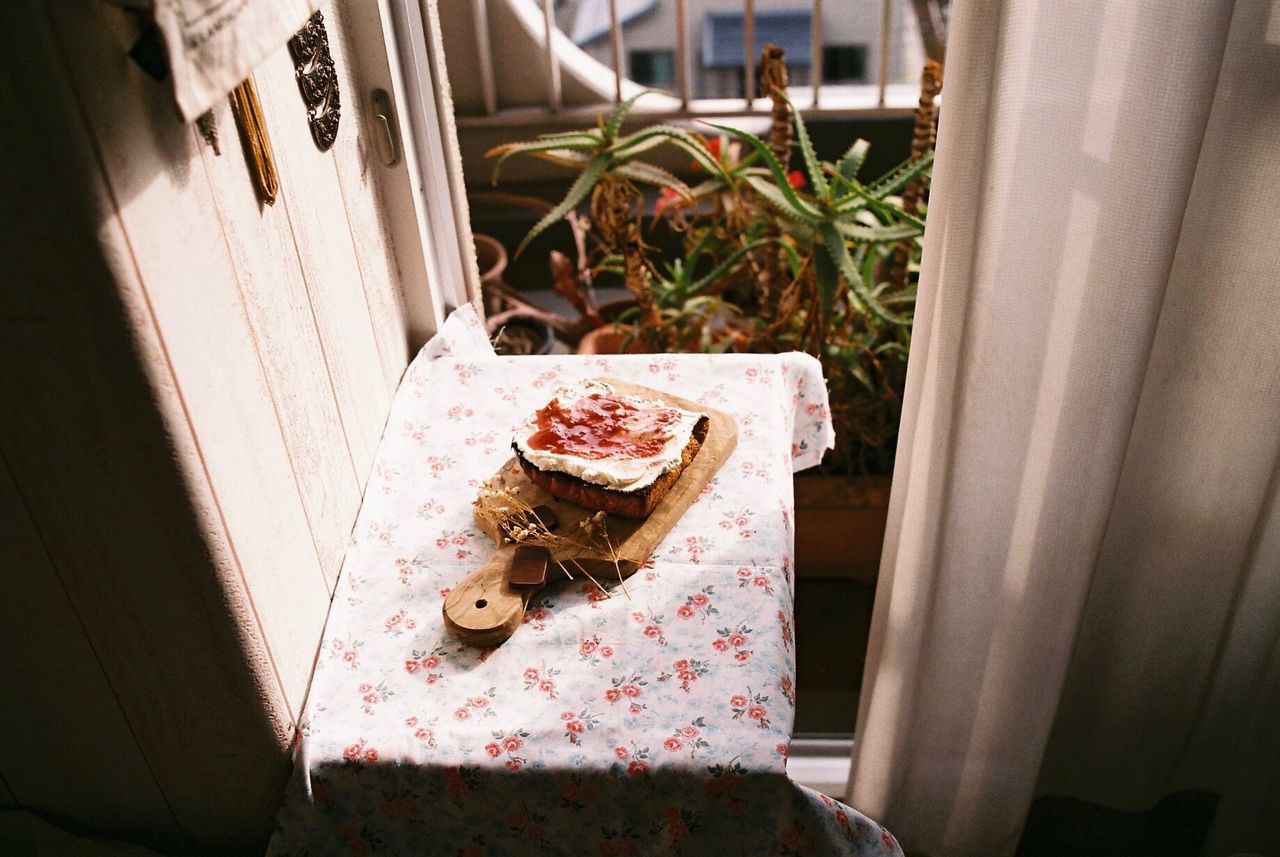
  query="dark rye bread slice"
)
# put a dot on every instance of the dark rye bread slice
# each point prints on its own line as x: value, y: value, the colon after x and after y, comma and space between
x: 625, y: 504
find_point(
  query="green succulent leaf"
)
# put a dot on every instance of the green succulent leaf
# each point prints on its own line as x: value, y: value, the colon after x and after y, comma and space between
x: 583, y: 142
x: 898, y: 177
x: 779, y: 175
x: 654, y: 175
x: 724, y: 267
x: 878, y: 234
x: 827, y: 278
x: 779, y: 200
x: 578, y: 191
x: 851, y: 161
x: 811, y: 162
x: 619, y: 114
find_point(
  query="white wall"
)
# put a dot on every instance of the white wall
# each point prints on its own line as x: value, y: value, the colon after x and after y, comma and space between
x: 194, y: 387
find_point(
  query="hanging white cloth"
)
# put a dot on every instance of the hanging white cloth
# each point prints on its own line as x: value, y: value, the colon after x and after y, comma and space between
x: 1080, y: 588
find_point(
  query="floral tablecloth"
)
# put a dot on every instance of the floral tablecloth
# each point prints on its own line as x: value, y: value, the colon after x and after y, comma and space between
x: 651, y: 721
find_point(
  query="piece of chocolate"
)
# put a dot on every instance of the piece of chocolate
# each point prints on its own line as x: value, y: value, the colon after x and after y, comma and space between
x: 547, y: 517
x: 528, y: 567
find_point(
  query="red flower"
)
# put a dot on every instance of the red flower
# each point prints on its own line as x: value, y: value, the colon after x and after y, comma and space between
x: 461, y: 714
x: 411, y: 666
x: 672, y: 744
x: 567, y: 715
x: 612, y: 694
x: 738, y: 701
x: 422, y: 734
x: 479, y: 702
x: 514, y: 764
x: 547, y: 685
x: 756, y: 712
x: 741, y: 656
x: 685, y: 611
x: 511, y: 743
x: 606, y: 651
x: 651, y: 630
x: 365, y: 687
x: 700, y: 599
x: 737, y: 640
x: 352, y: 753
x: 795, y: 178
x: 588, y: 646
x: 371, y: 755
x: 782, y: 750
x: 531, y: 674
x: 575, y: 726
x: 682, y: 664
x: 689, y: 732
x: 713, y: 146
x: 492, y: 749
x: 637, y: 769
x: 430, y: 662
x: 761, y: 581
x: 631, y: 690
x: 719, y: 645
x: 622, y: 752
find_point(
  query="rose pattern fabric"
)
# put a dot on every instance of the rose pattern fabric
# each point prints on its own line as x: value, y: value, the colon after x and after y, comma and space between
x: 651, y: 718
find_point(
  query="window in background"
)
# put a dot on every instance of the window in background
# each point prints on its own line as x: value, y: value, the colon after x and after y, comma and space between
x: 844, y: 64
x: 653, y: 68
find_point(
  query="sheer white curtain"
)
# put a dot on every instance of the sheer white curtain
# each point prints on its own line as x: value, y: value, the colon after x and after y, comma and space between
x: 1080, y: 589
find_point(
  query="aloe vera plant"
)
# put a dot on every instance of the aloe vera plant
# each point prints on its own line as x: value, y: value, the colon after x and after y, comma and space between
x: 816, y: 259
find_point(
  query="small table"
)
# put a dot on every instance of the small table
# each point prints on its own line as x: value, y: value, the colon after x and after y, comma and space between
x: 653, y: 717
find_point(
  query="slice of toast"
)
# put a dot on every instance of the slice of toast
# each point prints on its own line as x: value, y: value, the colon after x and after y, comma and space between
x: 625, y: 504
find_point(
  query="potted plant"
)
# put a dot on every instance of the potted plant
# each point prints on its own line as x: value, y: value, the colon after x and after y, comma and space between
x: 772, y: 259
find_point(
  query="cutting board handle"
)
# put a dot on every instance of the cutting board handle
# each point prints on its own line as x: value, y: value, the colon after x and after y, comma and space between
x: 483, y: 610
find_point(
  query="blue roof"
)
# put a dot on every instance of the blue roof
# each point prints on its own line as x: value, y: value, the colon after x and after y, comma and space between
x: 592, y: 20
x: 790, y: 30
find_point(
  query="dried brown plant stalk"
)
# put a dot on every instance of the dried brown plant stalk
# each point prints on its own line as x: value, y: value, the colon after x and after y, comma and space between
x: 922, y: 142
x: 615, y: 213
x: 773, y: 270
x: 508, y: 514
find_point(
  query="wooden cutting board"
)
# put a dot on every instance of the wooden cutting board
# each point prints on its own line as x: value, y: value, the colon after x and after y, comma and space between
x: 483, y: 610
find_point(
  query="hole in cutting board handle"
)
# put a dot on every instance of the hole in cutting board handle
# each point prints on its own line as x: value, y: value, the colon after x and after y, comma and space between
x: 481, y: 604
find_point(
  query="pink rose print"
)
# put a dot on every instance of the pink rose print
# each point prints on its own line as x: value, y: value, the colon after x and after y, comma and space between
x: 575, y: 725
x: 426, y: 664
x: 504, y: 394
x: 787, y: 691
x: 544, y: 379
x: 593, y: 593
x: 627, y: 688
x: 750, y: 706
x: 536, y: 617
x: 371, y: 695
x: 359, y: 753
x: 431, y: 509
x: 386, y: 475
x: 459, y: 412
x: 423, y: 730
x: 725, y: 780
x: 346, y: 651
x: 667, y: 368
x: 397, y: 623
x: 465, y: 371
x: 738, y: 522
x: 455, y: 543
x: 753, y: 578
x: 592, y: 652
x: 696, y: 546
x: 687, y: 670
x: 795, y: 841
x: 383, y: 534
x: 688, y: 738
x: 477, y: 706
x: 543, y: 679
x: 508, y: 743
x: 635, y: 759
x: 699, y: 603
x: 651, y: 626
x: 437, y: 465
x: 785, y: 623
x: 416, y: 432
x: 575, y: 796
x: 783, y: 750
x: 734, y: 640
x: 407, y: 568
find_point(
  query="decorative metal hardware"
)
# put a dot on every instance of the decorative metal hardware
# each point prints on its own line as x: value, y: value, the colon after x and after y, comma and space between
x: 317, y: 80
x: 384, y: 121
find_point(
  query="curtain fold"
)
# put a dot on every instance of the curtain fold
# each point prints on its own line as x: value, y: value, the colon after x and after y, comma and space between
x: 1080, y: 588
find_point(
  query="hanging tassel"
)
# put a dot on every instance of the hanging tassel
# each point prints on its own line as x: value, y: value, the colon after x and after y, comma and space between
x: 257, y: 145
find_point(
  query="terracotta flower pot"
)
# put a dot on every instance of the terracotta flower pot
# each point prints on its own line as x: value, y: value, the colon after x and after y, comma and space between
x: 840, y: 526
x: 608, y: 339
x: 491, y: 259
